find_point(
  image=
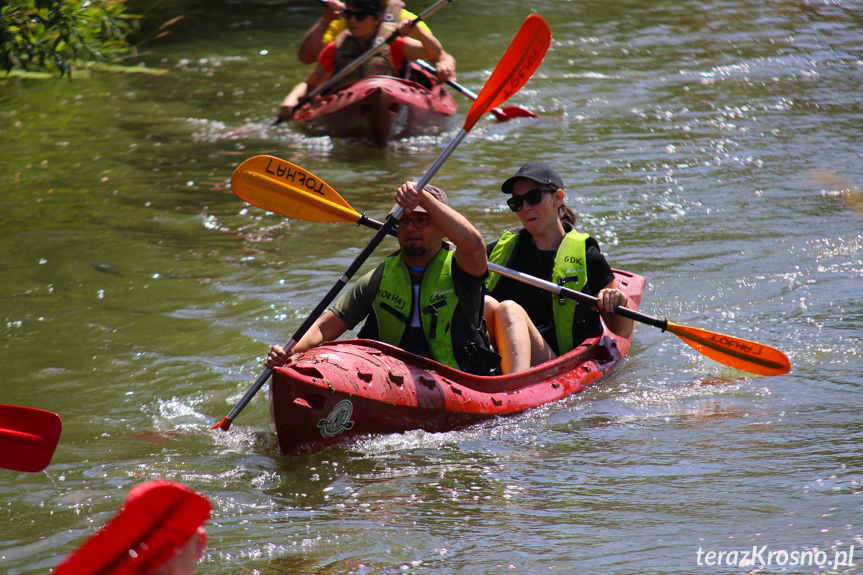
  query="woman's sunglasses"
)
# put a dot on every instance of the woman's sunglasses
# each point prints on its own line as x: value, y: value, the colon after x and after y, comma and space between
x: 360, y: 15
x: 532, y: 197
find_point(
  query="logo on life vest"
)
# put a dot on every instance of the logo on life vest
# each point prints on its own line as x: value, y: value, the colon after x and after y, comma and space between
x: 394, y: 298
x: 438, y: 295
x: 573, y: 260
x: 339, y: 419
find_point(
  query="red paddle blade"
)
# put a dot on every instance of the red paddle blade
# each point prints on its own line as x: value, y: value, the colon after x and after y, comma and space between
x: 28, y: 437
x: 158, y: 518
x: 518, y: 63
x: 733, y: 351
x: 518, y: 112
x: 507, y: 113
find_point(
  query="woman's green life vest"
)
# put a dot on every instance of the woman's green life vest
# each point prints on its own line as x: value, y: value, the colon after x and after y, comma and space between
x: 570, y: 271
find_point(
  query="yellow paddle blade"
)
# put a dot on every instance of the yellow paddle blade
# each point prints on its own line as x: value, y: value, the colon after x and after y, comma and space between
x: 735, y: 352
x: 283, y: 188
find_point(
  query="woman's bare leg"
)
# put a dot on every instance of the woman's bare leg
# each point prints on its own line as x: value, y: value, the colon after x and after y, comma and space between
x: 518, y: 341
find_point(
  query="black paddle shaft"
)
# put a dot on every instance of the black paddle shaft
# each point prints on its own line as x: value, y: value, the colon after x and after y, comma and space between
x: 383, y: 230
x: 546, y: 285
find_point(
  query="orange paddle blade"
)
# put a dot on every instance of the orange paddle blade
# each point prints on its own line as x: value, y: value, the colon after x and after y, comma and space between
x: 28, y: 437
x: 518, y: 63
x: 283, y: 188
x: 732, y: 351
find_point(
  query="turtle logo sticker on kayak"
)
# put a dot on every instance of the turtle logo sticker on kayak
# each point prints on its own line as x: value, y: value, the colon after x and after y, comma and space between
x: 339, y: 419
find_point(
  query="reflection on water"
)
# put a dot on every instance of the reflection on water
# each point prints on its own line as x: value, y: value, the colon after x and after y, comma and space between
x: 709, y: 147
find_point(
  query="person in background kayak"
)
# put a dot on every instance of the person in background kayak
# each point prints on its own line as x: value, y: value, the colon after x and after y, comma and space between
x: 426, y: 298
x: 365, y: 23
x: 331, y: 24
x: 529, y: 325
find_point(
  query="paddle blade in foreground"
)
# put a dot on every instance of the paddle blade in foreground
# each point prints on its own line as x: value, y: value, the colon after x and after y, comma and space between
x: 281, y: 187
x: 518, y: 64
x: 28, y: 437
x: 159, y: 517
x: 732, y: 351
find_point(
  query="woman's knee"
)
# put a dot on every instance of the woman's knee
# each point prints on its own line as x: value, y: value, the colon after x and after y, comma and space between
x: 508, y: 311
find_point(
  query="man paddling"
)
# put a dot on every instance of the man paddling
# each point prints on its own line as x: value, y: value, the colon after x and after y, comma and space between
x: 332, y: 23
x: 425, y: 298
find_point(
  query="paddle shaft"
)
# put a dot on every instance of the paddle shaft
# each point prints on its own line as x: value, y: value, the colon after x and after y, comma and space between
x: 382, y: 232
x: 517, y: 65
x: 547, y: 285
x: 463, y: 89
x: 498, y: 113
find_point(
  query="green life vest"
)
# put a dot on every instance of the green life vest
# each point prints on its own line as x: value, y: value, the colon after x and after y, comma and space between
x: 437, y: 304
x: 569, y: 270
x: 381, y: 64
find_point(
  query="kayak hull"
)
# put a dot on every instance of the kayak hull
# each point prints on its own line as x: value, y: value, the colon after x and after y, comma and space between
x: 342, y: 391
x: 379, y: 110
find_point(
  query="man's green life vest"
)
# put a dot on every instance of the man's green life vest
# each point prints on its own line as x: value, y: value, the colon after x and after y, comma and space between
x: 437, y: 304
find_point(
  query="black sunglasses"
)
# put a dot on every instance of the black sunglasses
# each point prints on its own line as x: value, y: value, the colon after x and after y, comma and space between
x: 360, y: 15
x: 532, y: 197
x: 418, y: 221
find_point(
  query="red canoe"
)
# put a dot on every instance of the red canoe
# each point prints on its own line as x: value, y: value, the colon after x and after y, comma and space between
x: 379, y: 110
x: 343, y: 390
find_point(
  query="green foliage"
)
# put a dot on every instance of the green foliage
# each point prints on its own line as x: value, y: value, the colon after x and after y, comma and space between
x: 60, y: 34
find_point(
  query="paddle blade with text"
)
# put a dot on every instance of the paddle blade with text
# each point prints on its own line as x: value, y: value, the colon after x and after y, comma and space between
x: 734, y: 352
x: 281, y: 187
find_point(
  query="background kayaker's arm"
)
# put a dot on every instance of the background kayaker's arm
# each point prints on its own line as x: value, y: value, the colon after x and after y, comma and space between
x: 313, y: 41
x: 426, y: 46
x: 328, y: 327
x: 317, y: 77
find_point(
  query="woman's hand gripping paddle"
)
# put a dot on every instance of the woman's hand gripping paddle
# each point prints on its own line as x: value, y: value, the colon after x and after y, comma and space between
x: 28, y: 437
x: 733, y: 351
x: 515, y: 68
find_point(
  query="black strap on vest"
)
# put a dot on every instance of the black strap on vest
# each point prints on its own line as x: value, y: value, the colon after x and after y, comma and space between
x: 432, y: 310
x: 387, y: 307
x: 562, y: 282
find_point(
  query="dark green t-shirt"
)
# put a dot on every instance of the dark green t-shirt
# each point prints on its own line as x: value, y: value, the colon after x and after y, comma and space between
x: 355, y: 305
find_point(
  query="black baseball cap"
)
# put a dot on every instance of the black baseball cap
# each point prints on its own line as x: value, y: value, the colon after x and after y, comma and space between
x: 539, y: 172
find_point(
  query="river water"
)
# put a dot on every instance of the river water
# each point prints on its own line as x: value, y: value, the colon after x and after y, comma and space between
x: 713, y: 147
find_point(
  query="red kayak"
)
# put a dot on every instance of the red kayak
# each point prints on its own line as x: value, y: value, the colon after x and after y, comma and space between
x: 379, y: 110
x: 344, y: 390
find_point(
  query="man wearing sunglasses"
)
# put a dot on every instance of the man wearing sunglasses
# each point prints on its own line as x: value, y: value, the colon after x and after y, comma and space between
x: 529, y: 325
x: 426, y: 298
x: 333, y: 22
x: 369, y: 21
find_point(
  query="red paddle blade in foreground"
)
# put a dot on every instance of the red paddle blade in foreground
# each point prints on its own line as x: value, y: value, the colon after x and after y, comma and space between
x: 28, y: 437
x: 158, y: 518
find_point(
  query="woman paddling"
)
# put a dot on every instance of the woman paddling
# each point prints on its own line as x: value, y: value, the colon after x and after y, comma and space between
x: 369, y: 22
x: 528, y: 325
